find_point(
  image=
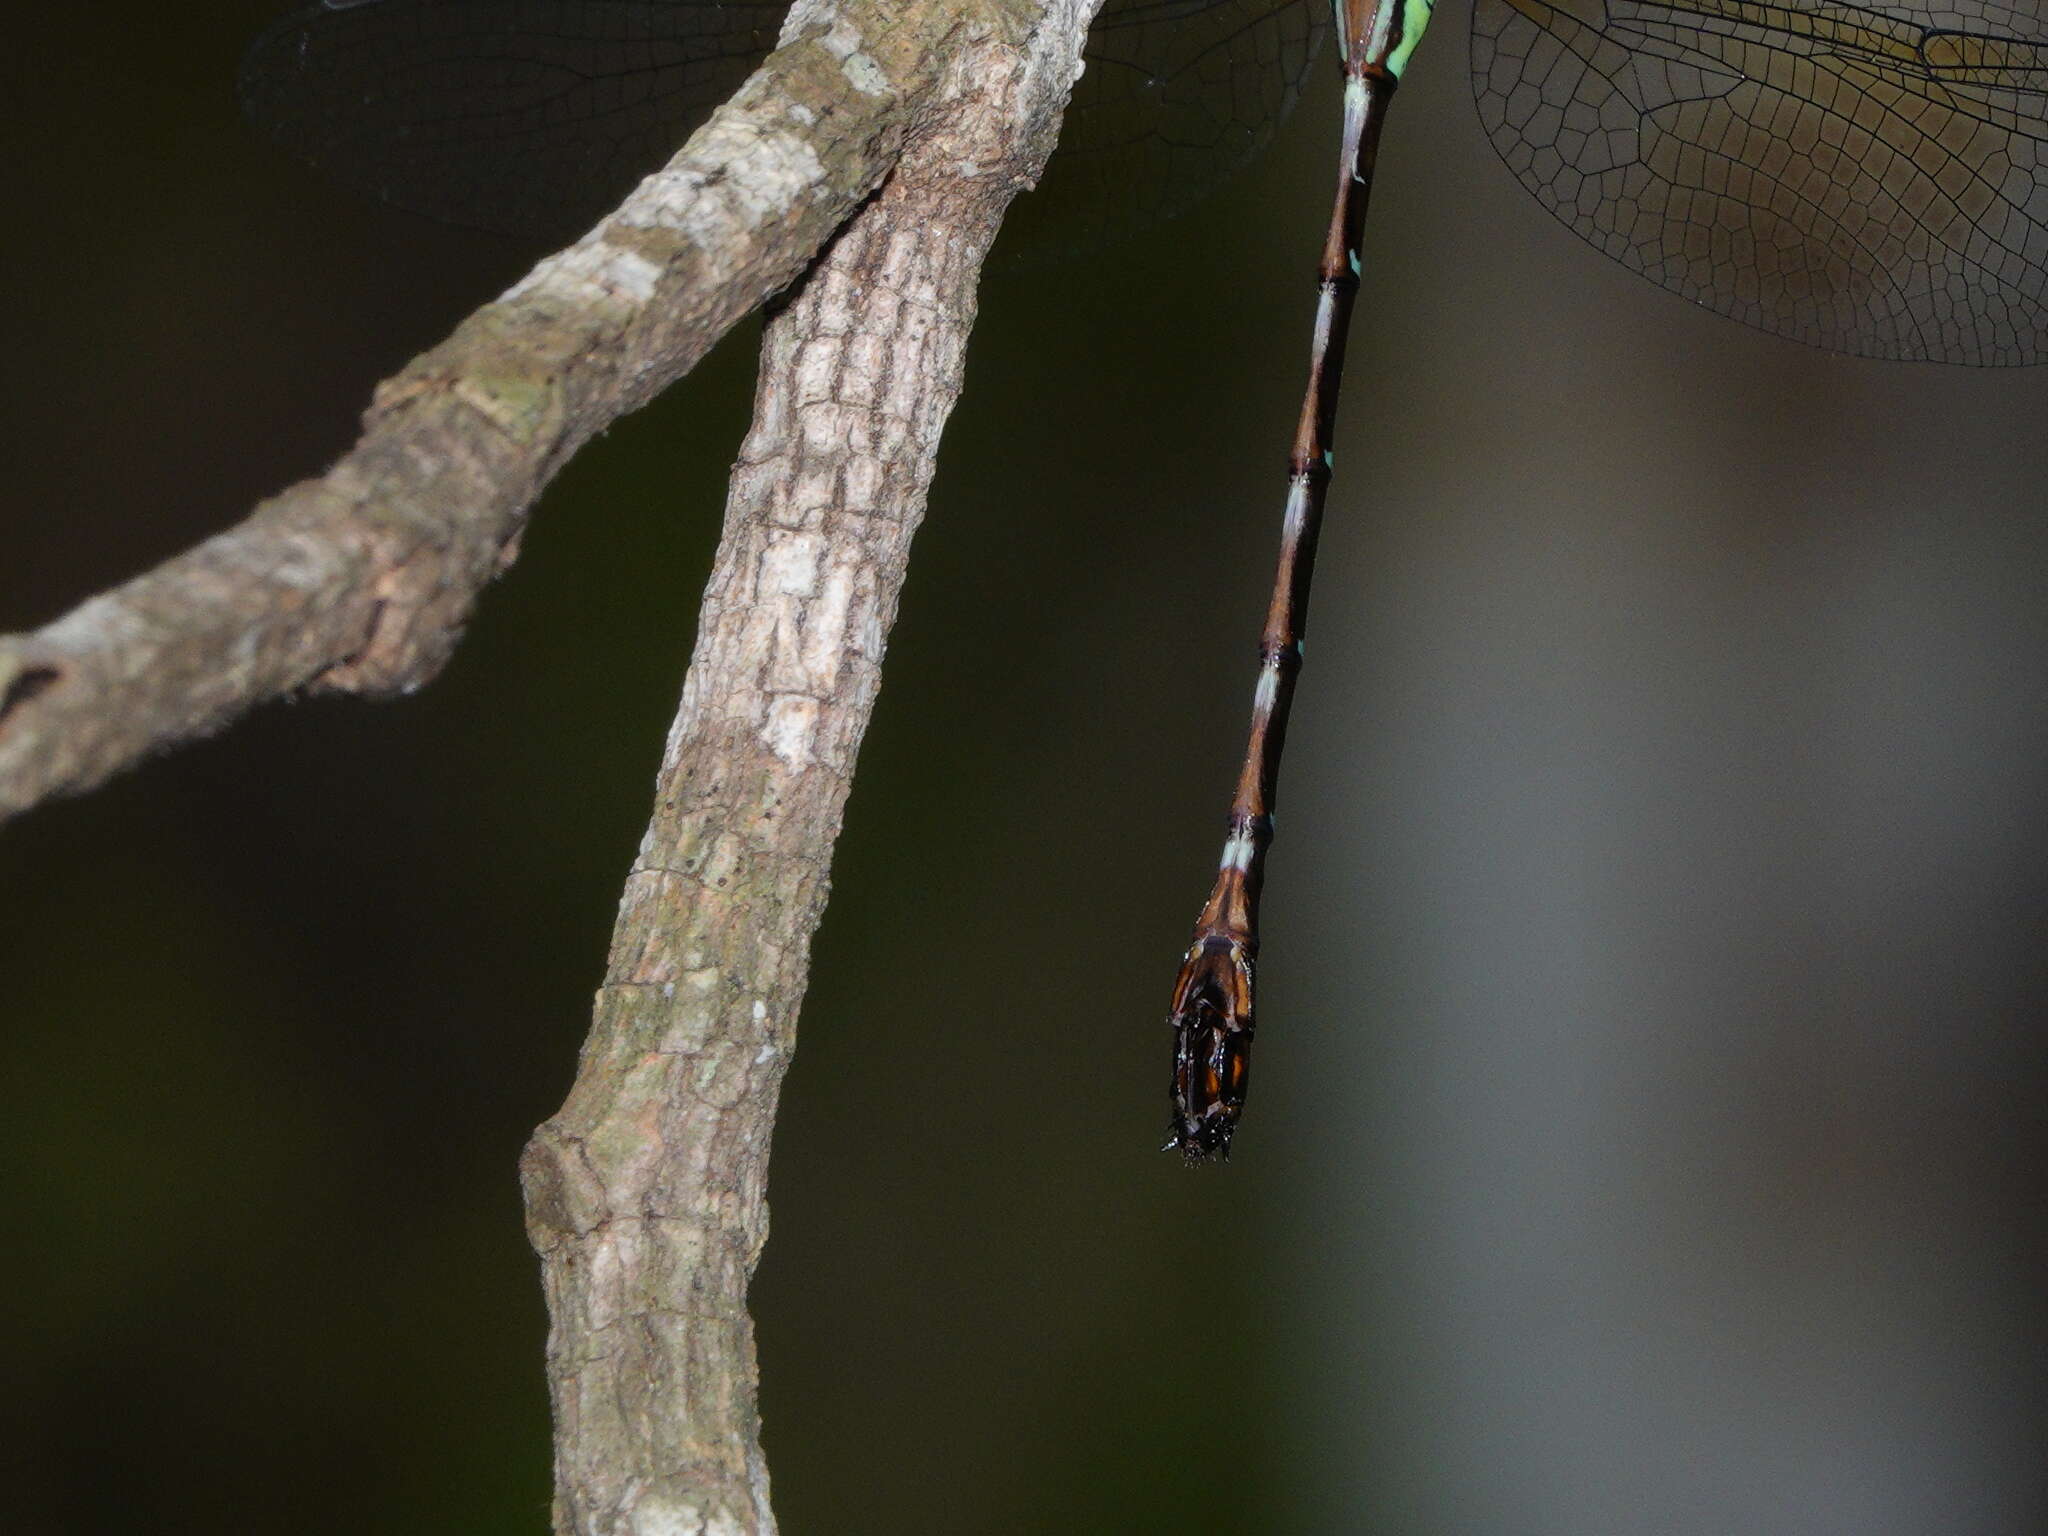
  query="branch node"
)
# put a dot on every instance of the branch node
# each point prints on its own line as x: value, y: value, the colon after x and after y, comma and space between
x: 22, y: 679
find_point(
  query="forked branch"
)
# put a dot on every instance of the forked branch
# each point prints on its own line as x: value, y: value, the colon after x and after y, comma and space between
x: 361, y: 580
x: 645, y: 1194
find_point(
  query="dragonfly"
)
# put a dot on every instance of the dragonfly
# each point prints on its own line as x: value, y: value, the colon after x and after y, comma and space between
x: 1869, y: 179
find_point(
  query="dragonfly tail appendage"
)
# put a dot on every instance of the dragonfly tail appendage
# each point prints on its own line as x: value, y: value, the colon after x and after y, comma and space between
x: 1212, y: 1046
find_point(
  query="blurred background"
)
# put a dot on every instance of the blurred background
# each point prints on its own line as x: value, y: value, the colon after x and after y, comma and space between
x: 1647, y: 1113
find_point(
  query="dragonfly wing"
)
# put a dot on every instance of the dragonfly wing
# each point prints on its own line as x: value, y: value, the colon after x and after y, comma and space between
x: 534, y: 117
x: 1174, y: 96
x: 530, y: 117
x: 1868, y: 179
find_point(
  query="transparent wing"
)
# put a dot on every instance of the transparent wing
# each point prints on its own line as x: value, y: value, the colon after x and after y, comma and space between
x: 1174, y: 96
x: 534, y: 117
x: 530, y: 117
x: 1869, y: 179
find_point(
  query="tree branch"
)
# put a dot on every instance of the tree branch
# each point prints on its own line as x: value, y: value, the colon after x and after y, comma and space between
x: 361, y: 580
x: 645, y: 1194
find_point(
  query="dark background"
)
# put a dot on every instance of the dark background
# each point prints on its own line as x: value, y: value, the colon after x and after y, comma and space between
x: 1649, y: 1094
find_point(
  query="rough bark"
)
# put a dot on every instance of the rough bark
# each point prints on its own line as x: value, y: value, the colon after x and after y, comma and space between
x: 361, y: 580
x: 646, y: 1193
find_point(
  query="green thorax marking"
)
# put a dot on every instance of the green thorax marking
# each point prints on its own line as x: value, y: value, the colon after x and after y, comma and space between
x: 1415, y: 16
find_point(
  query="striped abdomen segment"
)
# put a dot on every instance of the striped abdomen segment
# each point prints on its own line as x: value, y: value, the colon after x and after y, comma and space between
x: 1212, y: 998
